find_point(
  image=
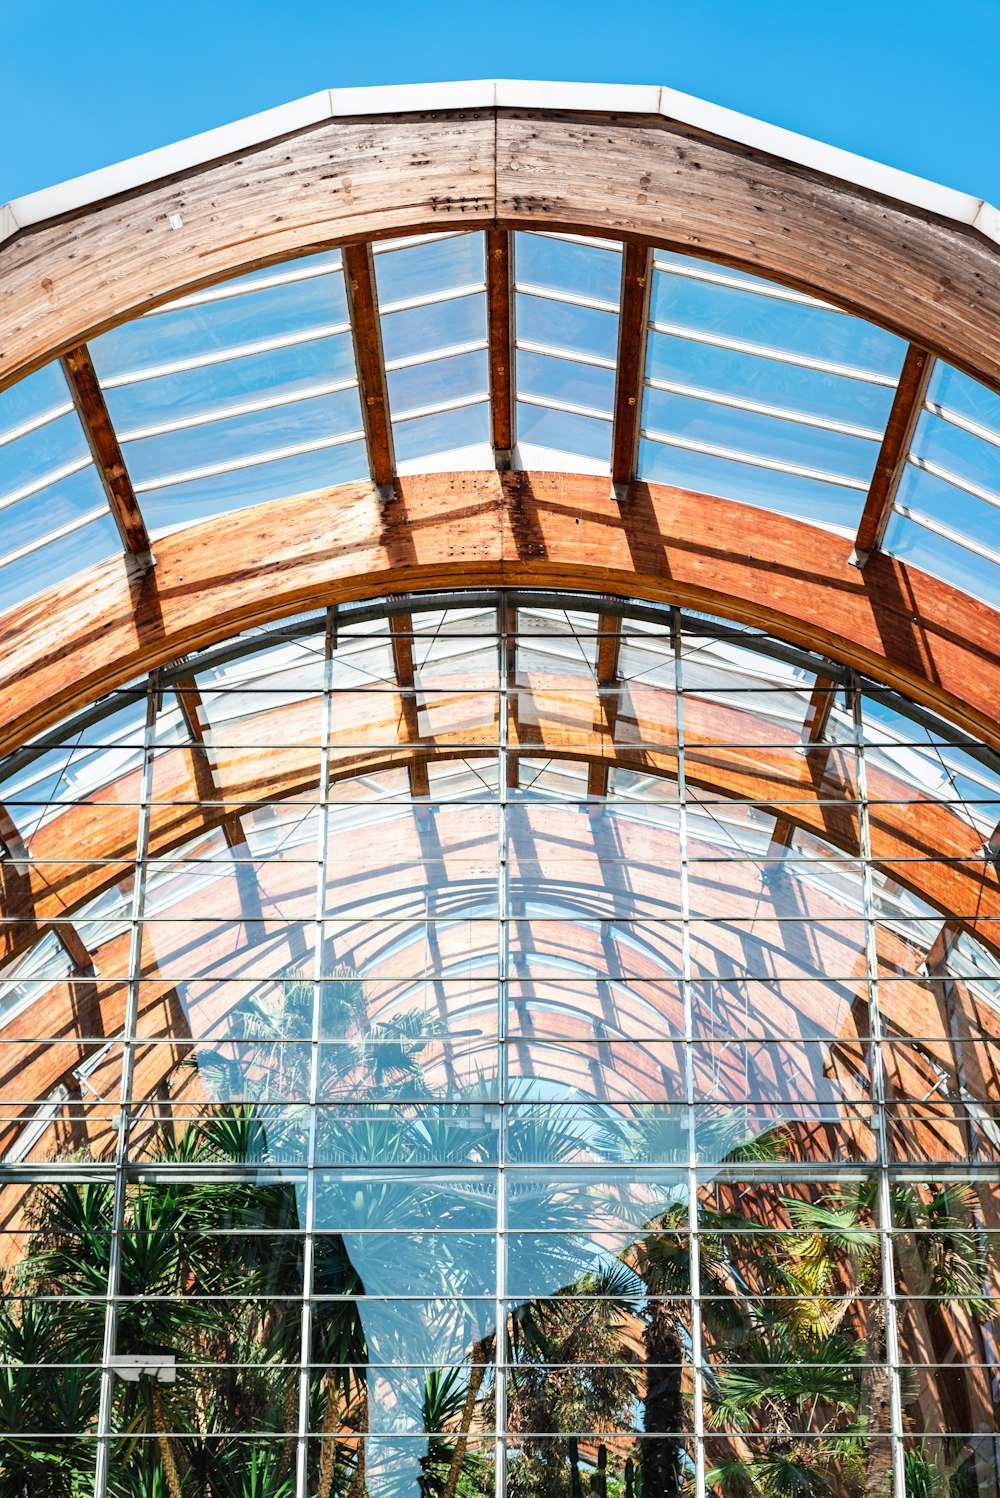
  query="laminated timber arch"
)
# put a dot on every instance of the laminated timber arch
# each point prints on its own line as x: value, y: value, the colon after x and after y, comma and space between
x: 645, y: 164
x: 561, y: 531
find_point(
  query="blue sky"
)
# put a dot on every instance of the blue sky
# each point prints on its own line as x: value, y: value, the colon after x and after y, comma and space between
x: 909, y: 82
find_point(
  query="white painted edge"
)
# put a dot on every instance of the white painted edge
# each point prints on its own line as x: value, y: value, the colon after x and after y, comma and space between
x: 627, y: 99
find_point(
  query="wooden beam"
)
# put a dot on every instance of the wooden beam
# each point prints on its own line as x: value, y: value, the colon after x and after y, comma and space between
x: 400, y: 632
x: 10, y: 837
x: 500, y: 314
x: 102, y: 439
x: 609, y: 646
x: 192, y: 709
x: 921, y: 274
x: 366, y: 329
x: 903, y: 418
x: 814, y: 724
x: 909, y: 833
x: 81, y: 639
x: 73, y: 945
x: 637, y: 274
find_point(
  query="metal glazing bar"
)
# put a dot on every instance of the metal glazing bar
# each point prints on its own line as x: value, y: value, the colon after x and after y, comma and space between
x: 438, y: 408
x: 503, y: 1001
x: 753, y: 288
x: 780, y: 356
x: 572, y: 356
x: 318, y: 976
x: 240, y: 408
x: 434, y: 298
x: 45, y: 481
x: 568, y: 298
x: 225, y: 355
x: 431, y: 356
x: 877, y: 1075
x: 753, y: 460
x: 903, y: 417
x: 303, y: 271
x: 958, y: 419
x: 955, y: 480
x: 634, y: 301
x: 697, y: 1343
x: 552, y: 403
x: 500, y: 322
x: 128, y: 1047
x: 35, y: 423
x: 248, y: 460
x: 366, y: 330
x: 88, y: 397
x: 763, y: 408
x: 947, y: 533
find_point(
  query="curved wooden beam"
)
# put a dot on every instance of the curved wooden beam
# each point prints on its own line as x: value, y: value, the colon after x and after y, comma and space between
x: 921, y: 844
x: 913, y: 632
x: 911, y: 268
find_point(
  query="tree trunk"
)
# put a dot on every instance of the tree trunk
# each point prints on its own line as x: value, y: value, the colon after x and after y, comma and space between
x: 291, y: 1425
x: 166, y: 1451
x: 358, y: 1485
x: 480, y: 1357
x: 660, y: 1459
x: 328, y: 1439
x: 875, y: 1405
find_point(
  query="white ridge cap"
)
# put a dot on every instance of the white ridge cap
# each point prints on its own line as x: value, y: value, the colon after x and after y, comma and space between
x: 343, y: 103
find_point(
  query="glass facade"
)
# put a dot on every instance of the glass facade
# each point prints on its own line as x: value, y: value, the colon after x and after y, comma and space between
x: 500, y: 1044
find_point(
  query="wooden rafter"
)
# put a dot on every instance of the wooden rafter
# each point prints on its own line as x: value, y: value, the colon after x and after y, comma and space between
x: 103, y: 442
x: 192, y: 710
x: 903, y: 417
x: 10, y: 837
x: 609, y: 646
x: 366, y: 328
x: 500, y: 310
x: 75, y: 948
x: 401, y: 632
x: 814, y: 725
x: 637, y: 266
x: 904, y: 629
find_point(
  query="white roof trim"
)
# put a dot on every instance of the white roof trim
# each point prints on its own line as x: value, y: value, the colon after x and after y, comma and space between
x: 344, y: 103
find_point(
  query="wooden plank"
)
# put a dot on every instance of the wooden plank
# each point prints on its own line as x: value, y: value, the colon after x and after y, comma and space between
x: 909, y: 631
x: 903, y: 418
x: 929, y: 279
x: 366, y: 328
x: 637, y: 275
x: 102, y: 439
x: 500, y: 320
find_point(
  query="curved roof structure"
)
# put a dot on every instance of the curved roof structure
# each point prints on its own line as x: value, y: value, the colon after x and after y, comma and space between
x: 366, y: 286
x: 500, y: 807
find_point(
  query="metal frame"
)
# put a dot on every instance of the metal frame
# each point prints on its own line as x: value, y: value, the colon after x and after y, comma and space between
x: 676, y: 629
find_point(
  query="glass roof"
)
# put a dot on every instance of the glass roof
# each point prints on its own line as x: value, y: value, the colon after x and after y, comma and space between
x: 248, y: 392
x: 54, y: 516
x: 945, y: 514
